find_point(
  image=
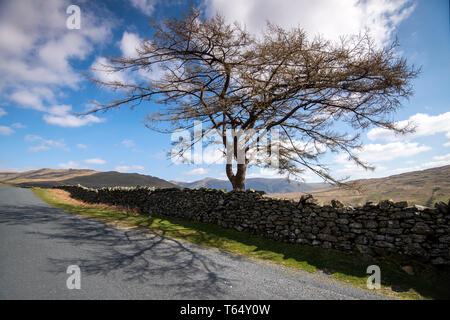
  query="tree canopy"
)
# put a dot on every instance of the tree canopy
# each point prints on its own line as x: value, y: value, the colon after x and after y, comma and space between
x: 311, y: 91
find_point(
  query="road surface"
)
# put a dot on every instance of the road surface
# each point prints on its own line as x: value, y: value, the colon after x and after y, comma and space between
x: 39, y: 242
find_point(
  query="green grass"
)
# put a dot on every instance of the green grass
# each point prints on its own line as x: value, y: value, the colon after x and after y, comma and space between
x: 427, y: 283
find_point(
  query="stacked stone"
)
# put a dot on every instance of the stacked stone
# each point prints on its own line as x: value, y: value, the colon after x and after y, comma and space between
x: 371, y: 229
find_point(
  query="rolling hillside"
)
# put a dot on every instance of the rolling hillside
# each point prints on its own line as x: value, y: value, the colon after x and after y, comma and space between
x: 418, y: 187
x: 87, y: 178
x: 5, y: 174
x: 43, y: 175
x: 267, y: 185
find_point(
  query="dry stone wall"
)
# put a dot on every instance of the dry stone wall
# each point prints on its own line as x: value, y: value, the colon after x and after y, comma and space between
x: 372, y: 229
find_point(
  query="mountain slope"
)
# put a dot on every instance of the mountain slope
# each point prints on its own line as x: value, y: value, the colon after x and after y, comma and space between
x: 87, y: 178
x: 6, y: 174
x: 267, y: 185
x: 44, y: 175
x: 418, y: 187
x: 113, y: 178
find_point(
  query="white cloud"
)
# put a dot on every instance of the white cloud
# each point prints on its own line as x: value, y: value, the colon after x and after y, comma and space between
x: 69, y: 165
x: 129, y: 43
x: 44, y: 144
x: 331, y: 18
x: 355, y: 172
x: 372, y: 153
x: 95, y: 161
x: 442, y: 158
x: 69, y: 120
x: 425, y: 124
x: 102, y: 70
x: 212, y: 154
x: 269, y: 173
x: 60, y: 115
x: 37, y: 47
x: 128, y: 143
x: 77, y: 165
x: 439, y: 161
x: 14, y: 40
x: 196, y: 172
x: 146, y: 6
x: 129, y: 168
x: 81, y: 146
x: 447, y: 144
x: 37, y: 50
x: 3, y: 112
x: 6, y: 131
x: 27, y: 99
x: 18, y: 125
x: 266, y: 173
x: 55, y: 54
x: 385, y: 152
x: 32, y: 97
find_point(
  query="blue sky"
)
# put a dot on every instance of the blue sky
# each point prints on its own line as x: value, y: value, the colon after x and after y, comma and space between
x: 42, y: 67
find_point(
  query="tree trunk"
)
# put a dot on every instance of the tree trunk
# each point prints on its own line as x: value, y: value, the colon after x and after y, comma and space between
x: 237, y: 180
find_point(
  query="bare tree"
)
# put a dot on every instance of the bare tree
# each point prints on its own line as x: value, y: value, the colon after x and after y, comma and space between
x: 230, y: 80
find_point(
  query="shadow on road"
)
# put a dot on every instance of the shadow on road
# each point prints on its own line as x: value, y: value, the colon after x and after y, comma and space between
x: 159, y: 261
x: 132, y: 255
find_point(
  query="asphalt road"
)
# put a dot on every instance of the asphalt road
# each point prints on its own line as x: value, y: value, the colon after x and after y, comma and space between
x: 39, y: 242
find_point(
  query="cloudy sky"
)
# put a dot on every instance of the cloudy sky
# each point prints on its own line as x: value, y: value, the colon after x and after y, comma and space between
x: 43, y: 66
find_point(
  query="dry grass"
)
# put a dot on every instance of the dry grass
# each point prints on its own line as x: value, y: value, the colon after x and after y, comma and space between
x: 89, y: 178
x: 64, y: 196
x: 420, y: 187
x: 45, y: 175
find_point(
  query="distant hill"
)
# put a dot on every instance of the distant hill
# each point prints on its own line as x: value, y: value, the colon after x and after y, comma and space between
x: 87, y: 178
x: 267, y: 185
x: 418, y: 187
x: 45, y: 174
x: 5, y: 174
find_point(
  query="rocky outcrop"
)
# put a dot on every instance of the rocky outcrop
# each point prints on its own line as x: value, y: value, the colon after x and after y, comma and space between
x: 372, y: 229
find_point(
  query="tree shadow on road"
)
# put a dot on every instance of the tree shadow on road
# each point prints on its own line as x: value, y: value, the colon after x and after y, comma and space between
x: 429, y: 281
x: 154, y: 257
x: 134, y: 256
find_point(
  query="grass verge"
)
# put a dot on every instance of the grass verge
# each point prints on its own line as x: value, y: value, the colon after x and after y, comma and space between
x: 427, y: 282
